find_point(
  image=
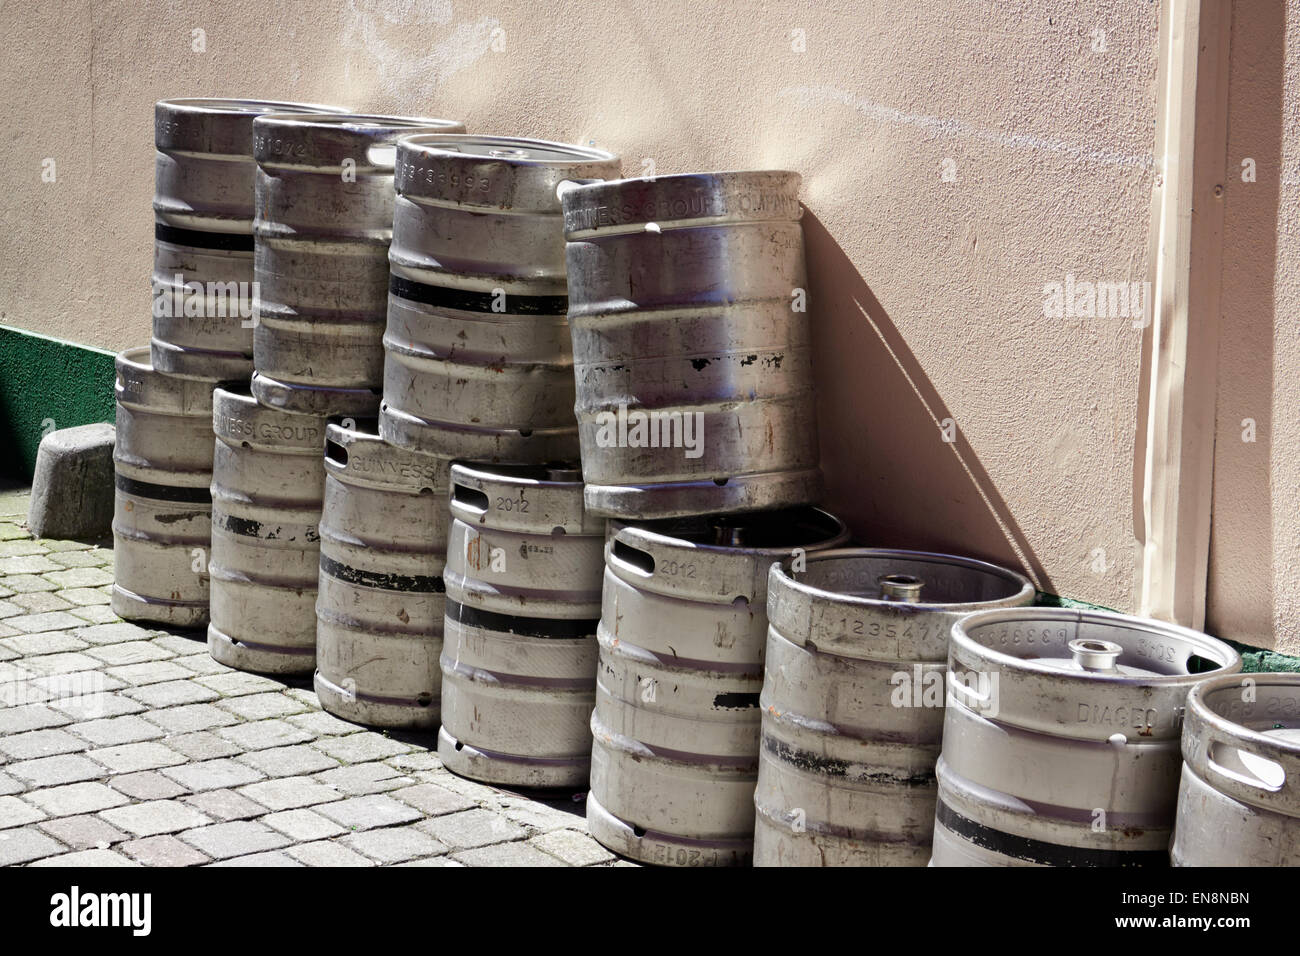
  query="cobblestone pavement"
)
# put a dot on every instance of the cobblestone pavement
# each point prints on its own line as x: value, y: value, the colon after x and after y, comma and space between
x: 123, y: 745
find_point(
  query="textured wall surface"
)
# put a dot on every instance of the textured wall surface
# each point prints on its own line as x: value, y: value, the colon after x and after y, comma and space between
x: 1254, y: 585
x: 957, y: 158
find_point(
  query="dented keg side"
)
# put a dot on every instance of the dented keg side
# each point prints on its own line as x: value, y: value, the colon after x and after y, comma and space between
x: 524, y: 567
x: 852, y: 701
x: 162, y: 462
x: 1061, y: 737
x: 1239, y: 795
x: 676, y: 724
x: 203, y: 234
x: 479, y: 362
x: 383, y: 538
x: 324, y: 219
x: 268, y: 482
x: 691, y: 350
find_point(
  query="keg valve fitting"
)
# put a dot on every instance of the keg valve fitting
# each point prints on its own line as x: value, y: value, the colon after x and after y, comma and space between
x: 1091, y: 654
x: 903, y: 588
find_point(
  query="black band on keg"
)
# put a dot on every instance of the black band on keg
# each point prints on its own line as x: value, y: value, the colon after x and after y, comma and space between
x: 252, y: 528
x: 808, y: 761
x: 146, y: 489
x: 735, y: 701
x: 198, y: 239
x: 1038, y: 851
x: 543, y: 627
x: 418, y: 583
x: 464, y: 300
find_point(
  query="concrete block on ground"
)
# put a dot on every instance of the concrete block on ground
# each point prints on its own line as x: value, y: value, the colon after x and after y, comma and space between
x: 72, y: 489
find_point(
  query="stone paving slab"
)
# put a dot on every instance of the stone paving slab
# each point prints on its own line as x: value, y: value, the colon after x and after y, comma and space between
x: 124, y: 744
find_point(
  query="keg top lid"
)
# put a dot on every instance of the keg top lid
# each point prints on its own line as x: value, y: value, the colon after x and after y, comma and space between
x: 219, y: 105
x: 377, y: 122
x: 502, y: 173
x: 1090, y: 645
x: 1241, y: 734
x: 505, y: 149
x: 759, y: 532
x: 139, y: 383
x: 326, y: 140
x: 746, y: 195
x: 218, y: 126
x: 924, y: 580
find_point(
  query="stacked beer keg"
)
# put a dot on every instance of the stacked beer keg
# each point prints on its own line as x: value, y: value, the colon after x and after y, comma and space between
x: 203, y: 277
x: 511, y: 448
x: 272, y: 234
x: 479, y: 368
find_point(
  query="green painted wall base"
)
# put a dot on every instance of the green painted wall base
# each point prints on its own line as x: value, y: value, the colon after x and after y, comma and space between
x: 46, y: 384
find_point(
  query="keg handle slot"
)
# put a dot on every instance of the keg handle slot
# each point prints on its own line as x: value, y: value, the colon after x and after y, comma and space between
x: 382, y: 154
x: 902, y: 588
x: 969, y: 690
x: 568, y: 185
x: 470, y: 497
x: 336, y: 453
x: 1255, y: 770
x: 642, y: 562
x: 1095, y: 655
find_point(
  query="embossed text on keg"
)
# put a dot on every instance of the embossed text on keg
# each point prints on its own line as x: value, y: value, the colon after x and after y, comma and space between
x: 1140, y: 718
x: 278, y: 146
x: 409, y: 174
x: 402, y: 469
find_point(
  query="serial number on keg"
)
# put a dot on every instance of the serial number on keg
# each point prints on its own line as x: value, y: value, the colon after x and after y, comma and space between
x: 264, y: 145
x: 409, y: 174
x: 1273, y: 707
x: 904, y: 629
x: 1027, y: 636
x: 518, y: 505
x: 677, y: 569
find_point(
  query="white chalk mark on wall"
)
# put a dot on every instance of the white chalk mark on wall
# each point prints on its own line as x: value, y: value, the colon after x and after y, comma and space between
x: 941, y: 126
x: 383, y: 31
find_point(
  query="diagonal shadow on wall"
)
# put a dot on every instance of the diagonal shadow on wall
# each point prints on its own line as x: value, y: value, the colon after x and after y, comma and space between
x: 917, y: 490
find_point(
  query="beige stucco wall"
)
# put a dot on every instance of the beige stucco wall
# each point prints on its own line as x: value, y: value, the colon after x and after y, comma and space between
x: 1254, y: 584
x: 927, y: 295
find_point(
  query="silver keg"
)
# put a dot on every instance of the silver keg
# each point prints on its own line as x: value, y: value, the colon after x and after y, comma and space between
x: 691, y: 344
x: 323, y: 225
x: 203, y: 234
x: 479, y: 362
x: 383, y: 540
x: 524, y: 568
x: 676, y: 726
x: 1061, y: 737
x: 852, y: 702
x: 268, y: 480
x: 162, y: 508
x: 1239, y: 800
